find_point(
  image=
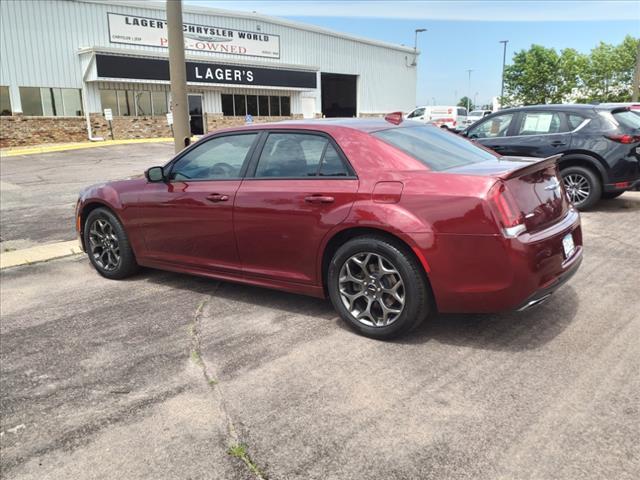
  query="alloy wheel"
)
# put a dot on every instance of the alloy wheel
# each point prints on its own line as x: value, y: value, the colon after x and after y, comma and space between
x: 103, y: 244
x: 577, y: 187
x: 371, y: 289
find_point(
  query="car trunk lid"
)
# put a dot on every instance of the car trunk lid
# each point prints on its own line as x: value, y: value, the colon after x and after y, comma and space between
x: 528, y: 192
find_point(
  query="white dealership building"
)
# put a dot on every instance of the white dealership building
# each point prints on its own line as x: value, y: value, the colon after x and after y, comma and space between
x: 75, y: 58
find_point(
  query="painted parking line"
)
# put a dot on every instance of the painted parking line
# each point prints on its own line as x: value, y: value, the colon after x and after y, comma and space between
x: 40, y: 253
x: 13, y: 152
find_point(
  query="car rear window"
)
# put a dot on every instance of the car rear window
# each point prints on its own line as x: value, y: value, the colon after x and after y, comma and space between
x: 628, y: 119
x: 436, y: 148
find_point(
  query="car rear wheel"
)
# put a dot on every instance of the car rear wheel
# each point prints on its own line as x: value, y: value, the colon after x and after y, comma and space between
x: 582, y: 185
x: 107, y: 245
x: 378, y: 287
x: 611, y: 195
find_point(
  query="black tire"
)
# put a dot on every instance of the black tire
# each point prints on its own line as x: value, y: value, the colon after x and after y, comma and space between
x: 115, y: 239
x: 611, y: 195
x: 582, y: 174
x: 418, y: 303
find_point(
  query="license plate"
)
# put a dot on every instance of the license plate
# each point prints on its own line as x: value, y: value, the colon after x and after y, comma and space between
x: 567, y: 245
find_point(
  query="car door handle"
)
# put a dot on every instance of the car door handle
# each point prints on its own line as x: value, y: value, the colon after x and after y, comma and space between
x: 319, y: 199
x: 558, y: 143
x: 217, y: 197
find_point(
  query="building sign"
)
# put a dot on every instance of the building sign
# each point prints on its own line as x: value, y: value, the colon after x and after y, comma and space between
x: 152, y: 32
x: 115, y: 66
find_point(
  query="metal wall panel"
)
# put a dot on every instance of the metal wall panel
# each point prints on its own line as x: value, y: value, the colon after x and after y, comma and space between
x: 40, y: 42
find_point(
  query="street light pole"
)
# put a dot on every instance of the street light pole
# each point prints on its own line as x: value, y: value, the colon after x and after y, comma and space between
x: 469, y: 89
x: 415, y: 46
x: 504, y: 60
x: 178, y: 76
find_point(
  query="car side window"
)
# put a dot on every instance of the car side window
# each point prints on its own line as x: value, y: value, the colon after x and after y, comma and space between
x: 574, y: 120
x: 296, y: 155
x: 416, y: 113
x: 217, y: 159
x: 493, y: 127
x: 539, y: 123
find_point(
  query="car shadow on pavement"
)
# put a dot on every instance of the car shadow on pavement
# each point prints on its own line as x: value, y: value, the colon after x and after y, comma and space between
x: 513, y: 331
x: 628, y: 201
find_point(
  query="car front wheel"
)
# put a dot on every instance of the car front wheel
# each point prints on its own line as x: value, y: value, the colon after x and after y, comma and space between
x: 107, y: 245
x: 583, y: 186
x: 378, y: 287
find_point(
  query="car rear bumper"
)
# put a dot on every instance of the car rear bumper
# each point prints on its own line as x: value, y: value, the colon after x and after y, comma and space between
x: 490, y: 273
x: 545, y: 293
x: 623, y: 186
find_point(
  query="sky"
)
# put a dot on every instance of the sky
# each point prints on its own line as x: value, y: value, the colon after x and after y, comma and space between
x: 461, y: 35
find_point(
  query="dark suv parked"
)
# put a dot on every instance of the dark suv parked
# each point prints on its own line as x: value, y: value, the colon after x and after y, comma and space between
x: 600, y: 144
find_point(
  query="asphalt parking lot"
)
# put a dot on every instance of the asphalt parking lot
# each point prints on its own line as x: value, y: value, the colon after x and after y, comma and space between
x: 158, y: 376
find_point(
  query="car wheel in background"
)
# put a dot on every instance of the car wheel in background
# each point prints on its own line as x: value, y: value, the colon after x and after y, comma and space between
x: 378, y: 287
x: 611, y: 195
x: 582, y: 185
x: 107, y: 245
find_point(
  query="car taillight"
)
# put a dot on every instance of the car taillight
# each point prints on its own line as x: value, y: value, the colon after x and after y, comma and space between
x: 624, y: 138
x: 506, y: 210
x: 455, y: 123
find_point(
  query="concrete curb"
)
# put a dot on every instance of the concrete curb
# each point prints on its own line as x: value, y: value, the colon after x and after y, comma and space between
x: 76, y: 146
x: 41, y: 253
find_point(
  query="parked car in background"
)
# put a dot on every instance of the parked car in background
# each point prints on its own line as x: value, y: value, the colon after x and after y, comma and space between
x: 391, y: 220
x: 476, y: 115
x: 453, y: 118
x: 599, y: 144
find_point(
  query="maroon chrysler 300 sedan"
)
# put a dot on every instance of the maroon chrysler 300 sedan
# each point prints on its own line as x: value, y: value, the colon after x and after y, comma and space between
x: 391, y: 220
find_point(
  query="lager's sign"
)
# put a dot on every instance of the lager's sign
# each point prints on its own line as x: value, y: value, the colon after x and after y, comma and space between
x: 152, y: 32
x: 117, y: 66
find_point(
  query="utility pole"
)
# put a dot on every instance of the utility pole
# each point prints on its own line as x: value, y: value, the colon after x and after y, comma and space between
x: 178, y: 75
x: 469, y: 89
x: 504, y: 60
x: 636, y: 77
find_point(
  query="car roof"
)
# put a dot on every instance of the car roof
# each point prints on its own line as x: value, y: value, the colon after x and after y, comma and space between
x: 366, y: 125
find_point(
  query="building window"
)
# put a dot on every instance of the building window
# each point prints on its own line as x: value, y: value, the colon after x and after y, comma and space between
x: 5, y: 101
x: 240, y: 105
x: 159, y: 103
x: 274, y: 106
x: 227, y: 105
x: 263, y: 105
x: 51, y: 102
x: 256, y: 105
x: 139, y: 103
x: 109, y: 100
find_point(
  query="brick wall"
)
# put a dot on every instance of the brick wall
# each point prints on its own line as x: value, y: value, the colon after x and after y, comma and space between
x: 130, y: 127
x: 215, y: 121
x: 18, y: 130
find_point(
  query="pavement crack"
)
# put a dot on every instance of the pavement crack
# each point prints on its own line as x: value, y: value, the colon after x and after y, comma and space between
x: 236, y: 448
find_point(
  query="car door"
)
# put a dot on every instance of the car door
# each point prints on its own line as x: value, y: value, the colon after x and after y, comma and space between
x: 540, y: 134
x: 300, y: 186
x: 493, y: 131
x: 188, y: 219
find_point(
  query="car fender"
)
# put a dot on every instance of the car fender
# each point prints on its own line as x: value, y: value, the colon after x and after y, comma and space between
x: 577, y: 157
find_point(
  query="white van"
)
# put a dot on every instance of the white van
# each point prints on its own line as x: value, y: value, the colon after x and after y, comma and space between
x: 454, y: 118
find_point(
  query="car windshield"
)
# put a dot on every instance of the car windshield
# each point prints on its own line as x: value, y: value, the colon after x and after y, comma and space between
x: 437, y: 149
x: 475, y: 114
x: 628, y: 119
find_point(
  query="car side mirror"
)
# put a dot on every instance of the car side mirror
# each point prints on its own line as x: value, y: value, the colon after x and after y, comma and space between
x: 155, y: 174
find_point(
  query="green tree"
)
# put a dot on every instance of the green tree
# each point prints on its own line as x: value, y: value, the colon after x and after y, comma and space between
x: 532, y: 77
x: 608, y: 75
x: 541, y: 75
x: 463, y: 103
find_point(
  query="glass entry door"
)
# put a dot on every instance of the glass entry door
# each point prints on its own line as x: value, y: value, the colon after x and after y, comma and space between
x: 196, y: 119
